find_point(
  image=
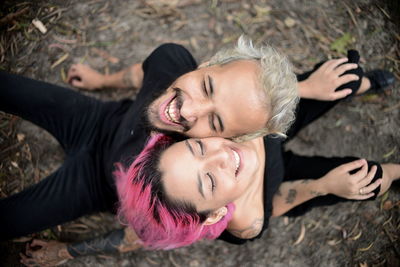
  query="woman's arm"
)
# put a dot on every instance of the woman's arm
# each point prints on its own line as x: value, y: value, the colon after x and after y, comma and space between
x: 84, y: 77
x: 53, y: 253
x: 338, y: 182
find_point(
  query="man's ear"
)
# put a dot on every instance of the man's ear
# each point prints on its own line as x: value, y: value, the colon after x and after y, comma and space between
x: 204, y: 64
x: 216, y: 216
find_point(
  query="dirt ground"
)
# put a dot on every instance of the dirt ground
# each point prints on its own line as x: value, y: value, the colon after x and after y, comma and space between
x: 110, y: 35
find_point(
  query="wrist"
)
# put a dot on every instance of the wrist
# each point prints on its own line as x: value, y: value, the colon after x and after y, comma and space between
x: 320, y: 187
x: 104, y: 81
x: 304, y: 89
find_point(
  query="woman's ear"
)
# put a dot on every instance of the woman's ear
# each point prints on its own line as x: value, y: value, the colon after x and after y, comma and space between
x: 216, y: 216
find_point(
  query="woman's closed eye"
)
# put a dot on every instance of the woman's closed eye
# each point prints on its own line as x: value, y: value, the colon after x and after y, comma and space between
x: 201, y: 147
x: 212, y: 181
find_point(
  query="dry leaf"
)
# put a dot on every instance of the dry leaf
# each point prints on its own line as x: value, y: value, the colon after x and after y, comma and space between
x: 60, y: 60
x: 366, y: 248
x: 14, y: 164
x: 333, y: 242
x: 387, y: 205
x: 357, y: 236
x: 39, y: 25
x: 289, y: 22
x: 20, y: 137
x: 301, y: 235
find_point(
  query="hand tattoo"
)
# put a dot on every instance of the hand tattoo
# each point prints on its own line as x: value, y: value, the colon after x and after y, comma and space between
x: 251, y: 231
x: 291, y: 196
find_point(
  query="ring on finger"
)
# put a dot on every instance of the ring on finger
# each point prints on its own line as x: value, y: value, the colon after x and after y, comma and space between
x: 361, y: 191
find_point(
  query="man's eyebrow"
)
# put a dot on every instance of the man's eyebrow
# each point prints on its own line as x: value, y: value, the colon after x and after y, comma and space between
x: 211, y: 84
x: 200, y: 185
x: 221, y: 125
x: 189, y: 147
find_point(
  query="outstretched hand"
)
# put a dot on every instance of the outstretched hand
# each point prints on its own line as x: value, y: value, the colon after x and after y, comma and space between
x: 357, y: 186
x: 322, y: 83
x: 84, y: 77
x: 45, y: 253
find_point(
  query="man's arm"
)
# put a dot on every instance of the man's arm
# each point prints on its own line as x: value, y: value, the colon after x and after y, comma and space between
x: 84, y: 77
x: 52, y: 253
x: 322, y: 83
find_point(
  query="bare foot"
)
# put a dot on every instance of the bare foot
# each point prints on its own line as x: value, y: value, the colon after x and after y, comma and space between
x: 391, y: 172
x: 365, y: 86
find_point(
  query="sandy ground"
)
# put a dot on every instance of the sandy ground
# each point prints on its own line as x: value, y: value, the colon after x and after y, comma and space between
x: 110, y: 35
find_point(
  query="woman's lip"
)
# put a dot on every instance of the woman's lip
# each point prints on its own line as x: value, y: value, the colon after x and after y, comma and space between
x: 161, y: 111
x: 240, y: 153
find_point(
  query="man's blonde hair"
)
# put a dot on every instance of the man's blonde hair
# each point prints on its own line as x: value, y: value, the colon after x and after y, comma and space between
x: 276, y: 78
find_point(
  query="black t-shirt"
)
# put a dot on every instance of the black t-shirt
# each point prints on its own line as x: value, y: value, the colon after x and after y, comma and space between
x: 126, y: 130
x: 273, y: 177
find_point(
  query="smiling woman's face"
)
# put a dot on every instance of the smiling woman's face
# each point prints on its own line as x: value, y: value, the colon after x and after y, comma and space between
x: 209, y: 172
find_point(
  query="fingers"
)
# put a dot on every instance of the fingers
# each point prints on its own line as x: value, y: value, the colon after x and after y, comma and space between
x: 345, y: 67
x: 38, y: 242
x: 27, y: 261
x: 77, y: 83
x: 340, y: 94
x: 368, y: 178
x: 362, y: 197
x: 370, y: 188
x: 346, y: 79
x: 333, y: 63
x: 348, y: 167
x: 72, y: 73
x: 362, y: 173
x: 75, y: 72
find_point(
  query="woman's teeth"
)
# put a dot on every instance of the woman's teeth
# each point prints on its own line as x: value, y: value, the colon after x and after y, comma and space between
x: 171, y: 112
x: 237, y: 160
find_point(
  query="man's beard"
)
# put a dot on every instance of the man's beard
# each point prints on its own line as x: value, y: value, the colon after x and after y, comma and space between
x: 149, y: 126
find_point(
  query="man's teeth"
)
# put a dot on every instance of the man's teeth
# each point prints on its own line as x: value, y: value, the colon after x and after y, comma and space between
x: 237, y: 160
x: 171, y: 112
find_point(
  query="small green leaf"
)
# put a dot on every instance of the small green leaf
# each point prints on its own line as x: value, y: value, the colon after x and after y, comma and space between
x: 340, y: 45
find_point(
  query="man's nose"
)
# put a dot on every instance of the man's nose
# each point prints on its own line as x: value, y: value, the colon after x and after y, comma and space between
x: 194, y: 110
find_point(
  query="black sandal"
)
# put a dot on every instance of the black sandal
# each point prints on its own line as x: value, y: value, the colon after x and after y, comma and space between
x: 379, y: 79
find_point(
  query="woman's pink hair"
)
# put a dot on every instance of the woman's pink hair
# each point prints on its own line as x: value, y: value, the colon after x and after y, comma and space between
x: 159, y: 222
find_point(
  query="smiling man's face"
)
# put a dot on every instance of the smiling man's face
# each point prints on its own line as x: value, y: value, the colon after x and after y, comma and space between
x: 220, y: 100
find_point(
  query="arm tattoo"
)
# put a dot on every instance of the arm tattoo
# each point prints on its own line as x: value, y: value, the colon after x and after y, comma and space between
x: 251, y: 231
x: 127, y: 78
x: 109, y: 243
x: 291, y: 196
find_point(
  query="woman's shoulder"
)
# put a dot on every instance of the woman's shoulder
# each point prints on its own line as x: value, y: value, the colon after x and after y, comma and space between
x: 247, y: 223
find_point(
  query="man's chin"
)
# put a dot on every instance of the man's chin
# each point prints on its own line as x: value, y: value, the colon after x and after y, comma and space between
x: 176, y: 135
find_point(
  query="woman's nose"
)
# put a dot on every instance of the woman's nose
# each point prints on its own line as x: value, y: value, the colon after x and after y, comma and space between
x: 219, y: 157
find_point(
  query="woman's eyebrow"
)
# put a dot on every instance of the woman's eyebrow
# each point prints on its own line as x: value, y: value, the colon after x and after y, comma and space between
x: 189, y: 147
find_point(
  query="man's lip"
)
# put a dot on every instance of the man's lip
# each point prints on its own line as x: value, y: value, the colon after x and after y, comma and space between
x: 240, y: 153
x: 161, y: 111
